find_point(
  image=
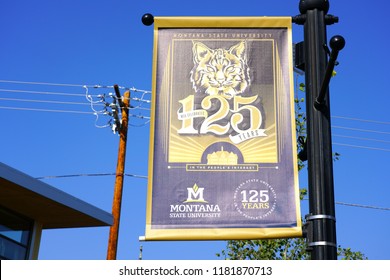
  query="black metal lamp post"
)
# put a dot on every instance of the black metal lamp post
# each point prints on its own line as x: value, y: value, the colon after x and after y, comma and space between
x: 321, y: 222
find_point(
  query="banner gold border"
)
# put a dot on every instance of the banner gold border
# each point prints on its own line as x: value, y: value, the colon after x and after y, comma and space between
x: 220, y: 233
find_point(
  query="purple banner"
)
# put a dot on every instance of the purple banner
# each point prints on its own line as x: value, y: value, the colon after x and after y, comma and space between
x: 222, y: 152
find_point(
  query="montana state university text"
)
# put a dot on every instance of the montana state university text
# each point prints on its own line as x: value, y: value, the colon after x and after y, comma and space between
x: 195, y: 211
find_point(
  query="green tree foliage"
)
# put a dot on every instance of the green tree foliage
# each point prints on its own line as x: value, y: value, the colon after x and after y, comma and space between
x: 348, y: 254
x: 271, y: 249
x: 287, y: 248
x: 278, y: 249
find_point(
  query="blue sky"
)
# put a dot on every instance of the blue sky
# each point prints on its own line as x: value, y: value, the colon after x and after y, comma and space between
x: 104, y: 42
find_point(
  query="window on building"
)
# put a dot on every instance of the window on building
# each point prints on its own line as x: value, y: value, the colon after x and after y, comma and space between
x: 15, y: 234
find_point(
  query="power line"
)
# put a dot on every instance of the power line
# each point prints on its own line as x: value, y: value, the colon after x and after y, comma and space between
x: 360, y: 138
x: 42, y: 92
x: 92, y: 103
x: 66, y: 111
x: 363, y: 206
x: 139, y: 116
x: 89, y: 175
x: 141, y: 100
x: 148, y: 118
x: 73, y: 85
x: 360, y: 120
x: 137, y: 90
x: 46, y: 110
x: 42, y: 83
x: 44, y: 101
x: 361, y: 147
x: 358, y: 146
x: 361, y: 130
x: 360, y: 205
x: 147, y: 91
x: 148, y: 101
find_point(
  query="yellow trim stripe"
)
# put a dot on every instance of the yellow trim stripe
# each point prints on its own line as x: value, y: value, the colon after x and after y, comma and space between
x: 221, y: 22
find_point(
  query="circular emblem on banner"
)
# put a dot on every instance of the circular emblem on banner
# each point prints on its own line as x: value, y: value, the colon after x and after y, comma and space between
x: 255, y: 199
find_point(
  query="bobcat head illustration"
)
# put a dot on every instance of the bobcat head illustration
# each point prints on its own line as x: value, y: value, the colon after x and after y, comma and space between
x: 219, y: 71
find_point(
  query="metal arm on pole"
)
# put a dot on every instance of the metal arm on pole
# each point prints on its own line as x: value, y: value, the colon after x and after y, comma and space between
x: 337, y: 43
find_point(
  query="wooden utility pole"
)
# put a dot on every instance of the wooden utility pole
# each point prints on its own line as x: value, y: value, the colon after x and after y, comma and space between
x: 120, y: 171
